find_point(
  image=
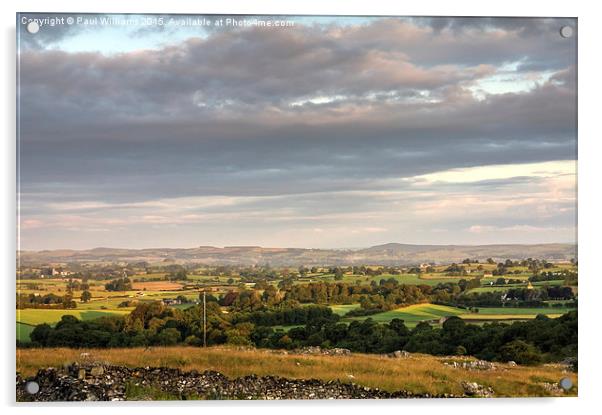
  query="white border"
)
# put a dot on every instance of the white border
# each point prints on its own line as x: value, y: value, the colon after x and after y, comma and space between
x: 589, y: 191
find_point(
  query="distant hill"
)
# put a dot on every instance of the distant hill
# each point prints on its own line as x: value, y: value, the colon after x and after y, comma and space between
x: 388, y: 254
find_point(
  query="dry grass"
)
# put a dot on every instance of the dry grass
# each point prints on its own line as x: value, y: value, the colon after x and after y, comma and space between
x: 157, y: 286
x: 418, y: 373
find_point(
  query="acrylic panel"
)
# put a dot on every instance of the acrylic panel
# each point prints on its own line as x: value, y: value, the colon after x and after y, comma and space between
x: 295, y: 207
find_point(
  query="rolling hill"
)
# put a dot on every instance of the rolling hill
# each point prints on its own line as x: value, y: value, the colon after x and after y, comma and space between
x: 387, y: 254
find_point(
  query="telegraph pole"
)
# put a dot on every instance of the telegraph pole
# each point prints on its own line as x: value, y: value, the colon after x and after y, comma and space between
x: 204, y: 319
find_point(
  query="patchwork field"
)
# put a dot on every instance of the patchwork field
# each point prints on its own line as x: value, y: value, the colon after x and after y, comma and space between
x: 502, y: 288
x: 240, y: 290
x: 436, y: 278
x: 409, y: 279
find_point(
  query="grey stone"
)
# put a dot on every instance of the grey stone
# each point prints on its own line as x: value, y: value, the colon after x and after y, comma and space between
x: 108, y: 384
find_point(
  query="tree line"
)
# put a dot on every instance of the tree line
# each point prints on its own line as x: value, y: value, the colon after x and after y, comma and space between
x: 390, y: 294
x: 47, y: 301
x: 540, y: 340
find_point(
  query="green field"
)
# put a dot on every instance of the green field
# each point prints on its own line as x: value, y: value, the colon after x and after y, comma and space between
x: 23, y: 331
x: 343, y: 309
x: 432, y: 312
x: 495, y: 288
x: 182, y: 306
x: 110, y: 303
x: 550, y: 283
x: 286, y: 328
x: 430, y: 279
x: 409, y: 279
x: 27, y: 319
x: 414, y: 314
x: 522, y: 311
x: 502, y: 288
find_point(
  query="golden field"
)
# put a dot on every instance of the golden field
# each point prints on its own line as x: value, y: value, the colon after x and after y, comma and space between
x: 417, y: 373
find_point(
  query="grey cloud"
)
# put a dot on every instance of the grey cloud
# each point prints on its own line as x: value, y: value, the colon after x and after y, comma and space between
x: 257, y: 68
x: 213, y: 116
x: 228, y: 157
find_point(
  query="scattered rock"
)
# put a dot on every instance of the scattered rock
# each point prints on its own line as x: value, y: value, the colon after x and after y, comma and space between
x: 476, y: 390
x: 472, y: 364
x: 552, y: 388
x: 317, y: 350
x: 511, y: 363
x: 109, y: 383
x: 337, y: 351
x: 397, y: 354
x: 481, y: 365
x: 81, y: 374
x: 570, y: 363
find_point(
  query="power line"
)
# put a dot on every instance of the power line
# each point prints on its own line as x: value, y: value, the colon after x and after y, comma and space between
x: 204, y: 319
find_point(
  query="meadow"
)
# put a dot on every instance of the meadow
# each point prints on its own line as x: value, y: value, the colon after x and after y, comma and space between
x: 27, y: 319
x: 432, y: 313
x: 414, y: 314
x: 342, y: 309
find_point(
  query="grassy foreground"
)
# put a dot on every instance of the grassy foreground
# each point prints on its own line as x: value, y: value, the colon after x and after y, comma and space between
x: 417, y: 373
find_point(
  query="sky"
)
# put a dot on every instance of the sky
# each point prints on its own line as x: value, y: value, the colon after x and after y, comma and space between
x: 321, y: 132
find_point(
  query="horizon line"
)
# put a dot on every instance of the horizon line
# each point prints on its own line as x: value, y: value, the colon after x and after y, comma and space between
x: 308, y: 248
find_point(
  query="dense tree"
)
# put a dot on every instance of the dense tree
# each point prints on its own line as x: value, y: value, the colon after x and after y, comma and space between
x: 86, y: 296
x: 47, y: 301
x: 119, y: 284
x: 520, y: 352
x: 530, y: 342
x: 179, y: 275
